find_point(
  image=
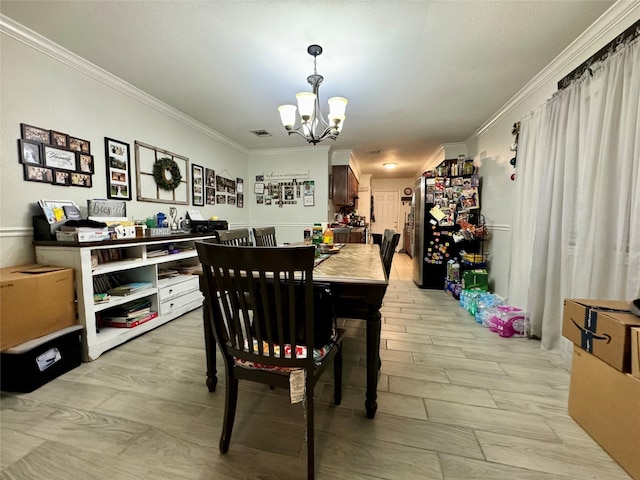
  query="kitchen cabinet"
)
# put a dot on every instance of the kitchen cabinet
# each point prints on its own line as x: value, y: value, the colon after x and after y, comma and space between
x: 345, y: 186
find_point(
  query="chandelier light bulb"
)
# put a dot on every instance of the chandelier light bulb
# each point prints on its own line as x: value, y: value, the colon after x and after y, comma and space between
x: 287, y: 115
x: 306, y: 104
x: 337, y: 106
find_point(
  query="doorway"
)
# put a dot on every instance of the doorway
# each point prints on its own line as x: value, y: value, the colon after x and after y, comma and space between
x: 385, y: 210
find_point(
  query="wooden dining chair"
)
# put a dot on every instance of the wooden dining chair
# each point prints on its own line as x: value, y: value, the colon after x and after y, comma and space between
x: 237, y: 237
x: 389, y: 249
x: 274, y: 340
x: 341, y: 234
x: 265, y: 237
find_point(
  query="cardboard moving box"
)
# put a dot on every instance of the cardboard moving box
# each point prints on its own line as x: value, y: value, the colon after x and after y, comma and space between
x: 601, y: 327
x: 635, y: 352
x: 35, y: 300
x: 606, y: 403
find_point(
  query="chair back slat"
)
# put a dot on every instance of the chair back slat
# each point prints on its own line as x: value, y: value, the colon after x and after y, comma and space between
x: 238, y: 237
x: 261, y: 301
x: 388, y: 250
x: 265, y: 237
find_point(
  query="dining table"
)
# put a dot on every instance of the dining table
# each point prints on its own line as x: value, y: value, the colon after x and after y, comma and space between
x: 358, y: 283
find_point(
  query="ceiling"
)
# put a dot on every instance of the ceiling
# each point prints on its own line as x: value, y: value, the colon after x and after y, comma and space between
x: 417, y: 73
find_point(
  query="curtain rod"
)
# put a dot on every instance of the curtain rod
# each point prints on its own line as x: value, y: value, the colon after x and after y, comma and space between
x: 630, y: 33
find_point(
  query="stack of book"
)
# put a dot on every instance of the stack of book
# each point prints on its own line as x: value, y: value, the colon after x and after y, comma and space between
x: 129, y: 288
x: 129, y: 315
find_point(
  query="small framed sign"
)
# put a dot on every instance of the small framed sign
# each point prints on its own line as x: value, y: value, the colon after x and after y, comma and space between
x: 59, y: 158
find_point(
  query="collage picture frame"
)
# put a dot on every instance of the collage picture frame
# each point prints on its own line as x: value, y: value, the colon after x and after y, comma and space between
x: 118, y: 159
x: 51, y: 156
x: 197, y: 185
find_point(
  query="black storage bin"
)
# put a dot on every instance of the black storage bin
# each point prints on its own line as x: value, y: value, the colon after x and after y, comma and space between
x: 30, y: 365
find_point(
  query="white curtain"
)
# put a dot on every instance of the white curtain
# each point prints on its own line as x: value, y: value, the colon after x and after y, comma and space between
x: 576, y: 226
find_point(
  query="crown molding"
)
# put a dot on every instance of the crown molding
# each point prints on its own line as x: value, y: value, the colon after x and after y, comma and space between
x: 42, y: 44
x: 600, y: 32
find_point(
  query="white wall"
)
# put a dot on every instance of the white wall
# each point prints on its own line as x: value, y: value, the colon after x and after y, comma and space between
x: 489, y: 146
x: 43, y: 85
x: 290, y: 220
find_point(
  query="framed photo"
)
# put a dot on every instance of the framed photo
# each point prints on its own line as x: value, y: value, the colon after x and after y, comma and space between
x: 59, y: 139
x: 118, y: 169
x: 240, y: 203
x: 197, y: 185
x: 239, y: 185
x: 79, y: 145
x: 61, y: 177
x: 81, y: 179
x: 59, y: 158
x: 36, y: 173
x: 30, y: 152
x: 210, y: 178
x: 258, y: 188
x: 211, y: 195
x: 85, y: 163
x: 29, y: 132
x: 308, y: 200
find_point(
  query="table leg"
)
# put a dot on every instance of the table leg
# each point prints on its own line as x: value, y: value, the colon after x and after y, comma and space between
x: 373, y: 359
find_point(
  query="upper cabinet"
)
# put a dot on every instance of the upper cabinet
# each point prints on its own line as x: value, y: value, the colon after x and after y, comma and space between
x: 345, y: 186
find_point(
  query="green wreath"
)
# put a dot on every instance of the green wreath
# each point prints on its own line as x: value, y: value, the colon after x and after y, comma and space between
x: 161, y: 167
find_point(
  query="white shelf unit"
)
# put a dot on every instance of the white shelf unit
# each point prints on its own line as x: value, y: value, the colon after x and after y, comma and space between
x: 170, y: 297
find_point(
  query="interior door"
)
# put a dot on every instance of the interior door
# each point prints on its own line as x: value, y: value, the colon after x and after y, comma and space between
x: 385, y: 209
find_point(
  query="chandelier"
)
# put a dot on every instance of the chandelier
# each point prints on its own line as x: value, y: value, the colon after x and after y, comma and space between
x: 313, y: 127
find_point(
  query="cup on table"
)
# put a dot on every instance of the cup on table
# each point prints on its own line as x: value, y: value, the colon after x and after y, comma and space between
x: 324, y: 247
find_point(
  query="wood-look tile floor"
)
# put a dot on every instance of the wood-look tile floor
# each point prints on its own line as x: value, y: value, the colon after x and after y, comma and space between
x: 455, y: 402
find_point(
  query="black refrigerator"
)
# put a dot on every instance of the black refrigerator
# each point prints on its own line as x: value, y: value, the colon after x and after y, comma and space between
x: 439, y: 204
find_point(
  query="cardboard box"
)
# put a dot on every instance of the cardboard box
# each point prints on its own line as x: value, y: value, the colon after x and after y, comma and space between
x: 35, y: 300
x: 30, y: 365
x: 475, y: 279
x: 635, y: 352
x: 606, y: 403
x: 601, y: 327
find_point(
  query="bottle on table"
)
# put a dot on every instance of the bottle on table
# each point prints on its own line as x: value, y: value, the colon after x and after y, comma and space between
x: 316, y: 236
x: 327, y: 236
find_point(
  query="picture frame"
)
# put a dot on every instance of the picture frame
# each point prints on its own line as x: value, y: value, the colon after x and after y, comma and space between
x: 30, y: 152
x: 210, y: 176
x: 258, y: 188
x: 118, y: 163
x: 61, y: 177
x: 58, y: 139
x: 60, y: 159
x: 30, y: 132
x: 85, y: 163
x: 79, y: 145
x: 211, y: 195
x: 197, y: 185
x: 38, y: 173
x: 81, y: 180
